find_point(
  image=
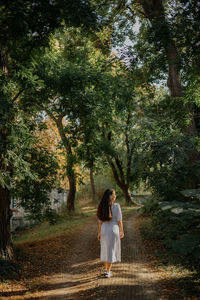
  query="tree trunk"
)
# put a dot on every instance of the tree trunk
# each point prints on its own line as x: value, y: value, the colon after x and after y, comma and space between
x: 6, y: 250
x: 127, y: 194
x: 70, y: 164
x: 71, y: 194
x: 4, y: 60
x: 6, y: 247
x: 154, y: 11
x: 92, y: 185
x: 121, y: 183
x: 174, y: 77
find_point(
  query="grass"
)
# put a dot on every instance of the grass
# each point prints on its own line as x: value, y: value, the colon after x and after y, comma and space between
x: 46, y: 231
x: 129, y: 209
x: 65, y: 224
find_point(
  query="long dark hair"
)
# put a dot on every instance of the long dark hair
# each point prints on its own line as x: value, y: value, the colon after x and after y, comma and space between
x: 104, y: 207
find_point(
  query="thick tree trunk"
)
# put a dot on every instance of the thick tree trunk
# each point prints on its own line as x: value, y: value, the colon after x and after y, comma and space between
x: 176, y: 90
x: 121, y: 183
x: 174, y: 77
x: 127, y: 194
x: 71, y: 194
x: 154, y: 11
x: 6, y: 250
x: 92, y: 185
x: 175, y: 85
x: 72, y: 186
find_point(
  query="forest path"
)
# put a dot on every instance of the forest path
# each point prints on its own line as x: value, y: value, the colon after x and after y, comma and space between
x: 79, y: 275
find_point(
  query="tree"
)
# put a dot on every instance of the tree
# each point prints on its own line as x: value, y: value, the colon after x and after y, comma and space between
x: 165, y: 52
x: 25, y: 30
x: 71, y: 73
x: 48, y: 138
x: 162, y: 158
x: 120, y: 131
x: 33, y: 189
x: 167, y: 24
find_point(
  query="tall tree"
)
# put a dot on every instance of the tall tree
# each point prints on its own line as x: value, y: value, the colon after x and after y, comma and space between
x: 25, y: 29
x: 119, y: 131
x: 71, y: 73
x: 165, y: 26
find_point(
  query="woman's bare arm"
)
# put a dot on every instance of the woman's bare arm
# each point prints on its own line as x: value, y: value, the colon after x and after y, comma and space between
x: 99, y: 230
x: 121, y: 230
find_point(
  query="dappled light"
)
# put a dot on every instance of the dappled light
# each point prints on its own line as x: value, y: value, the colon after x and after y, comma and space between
x: 100, y: 149
x: 80, y: 274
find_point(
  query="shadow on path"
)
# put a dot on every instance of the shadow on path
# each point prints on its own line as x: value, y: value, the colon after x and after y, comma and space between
x: 80, y: 275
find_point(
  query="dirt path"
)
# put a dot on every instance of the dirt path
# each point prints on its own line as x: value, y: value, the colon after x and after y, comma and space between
x: 80, y: 274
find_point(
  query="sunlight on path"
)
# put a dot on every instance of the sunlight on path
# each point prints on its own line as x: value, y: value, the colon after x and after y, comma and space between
x: 80, y: 276
x: 131, y: 279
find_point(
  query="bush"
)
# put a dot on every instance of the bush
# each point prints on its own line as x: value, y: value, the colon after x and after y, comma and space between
x: 151, y: 206
x: 51, y: 216
x: 177, y: 224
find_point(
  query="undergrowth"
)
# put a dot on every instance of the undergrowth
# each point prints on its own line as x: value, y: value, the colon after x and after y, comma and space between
x: 182, y: 270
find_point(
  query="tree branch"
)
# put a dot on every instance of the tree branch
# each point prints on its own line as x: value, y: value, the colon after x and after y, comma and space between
x: 114, y: 170
x: 17, y: 95
x: 129, y: 156
x: 62, y: 134
x: 50, y: 114
x: 118, y: 163
x: 121, y: 172
x: 138, y: 10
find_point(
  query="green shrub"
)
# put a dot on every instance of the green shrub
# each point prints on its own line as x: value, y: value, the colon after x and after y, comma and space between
x: 150, y: 206
x: 51, y: 216
x: 177, y: 224
x: 186, y: 244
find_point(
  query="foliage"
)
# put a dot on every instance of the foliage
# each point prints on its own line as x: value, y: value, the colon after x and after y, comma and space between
x: 192, y: 193
x: 166, y: 153
x: 34, y: 168
x: 165, y: 166
x: 74, y: 83
x: 34, y: 193
x: 30, y: 170
x: 15, y: 153
x: 181, y: 277
x: 164, y: 158
x: 26, y: 29
x: 150, y: 206
x: 52, y: 216
x: 48, y: 138
x: 177, y: 224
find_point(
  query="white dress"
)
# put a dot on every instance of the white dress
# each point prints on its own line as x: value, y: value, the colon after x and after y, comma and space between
x: 110, y: 236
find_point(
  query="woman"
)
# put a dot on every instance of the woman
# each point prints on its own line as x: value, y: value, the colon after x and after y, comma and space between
x: 110, y: 230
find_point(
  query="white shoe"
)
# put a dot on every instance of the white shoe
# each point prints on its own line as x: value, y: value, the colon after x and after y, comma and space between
x: 108, y: 274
